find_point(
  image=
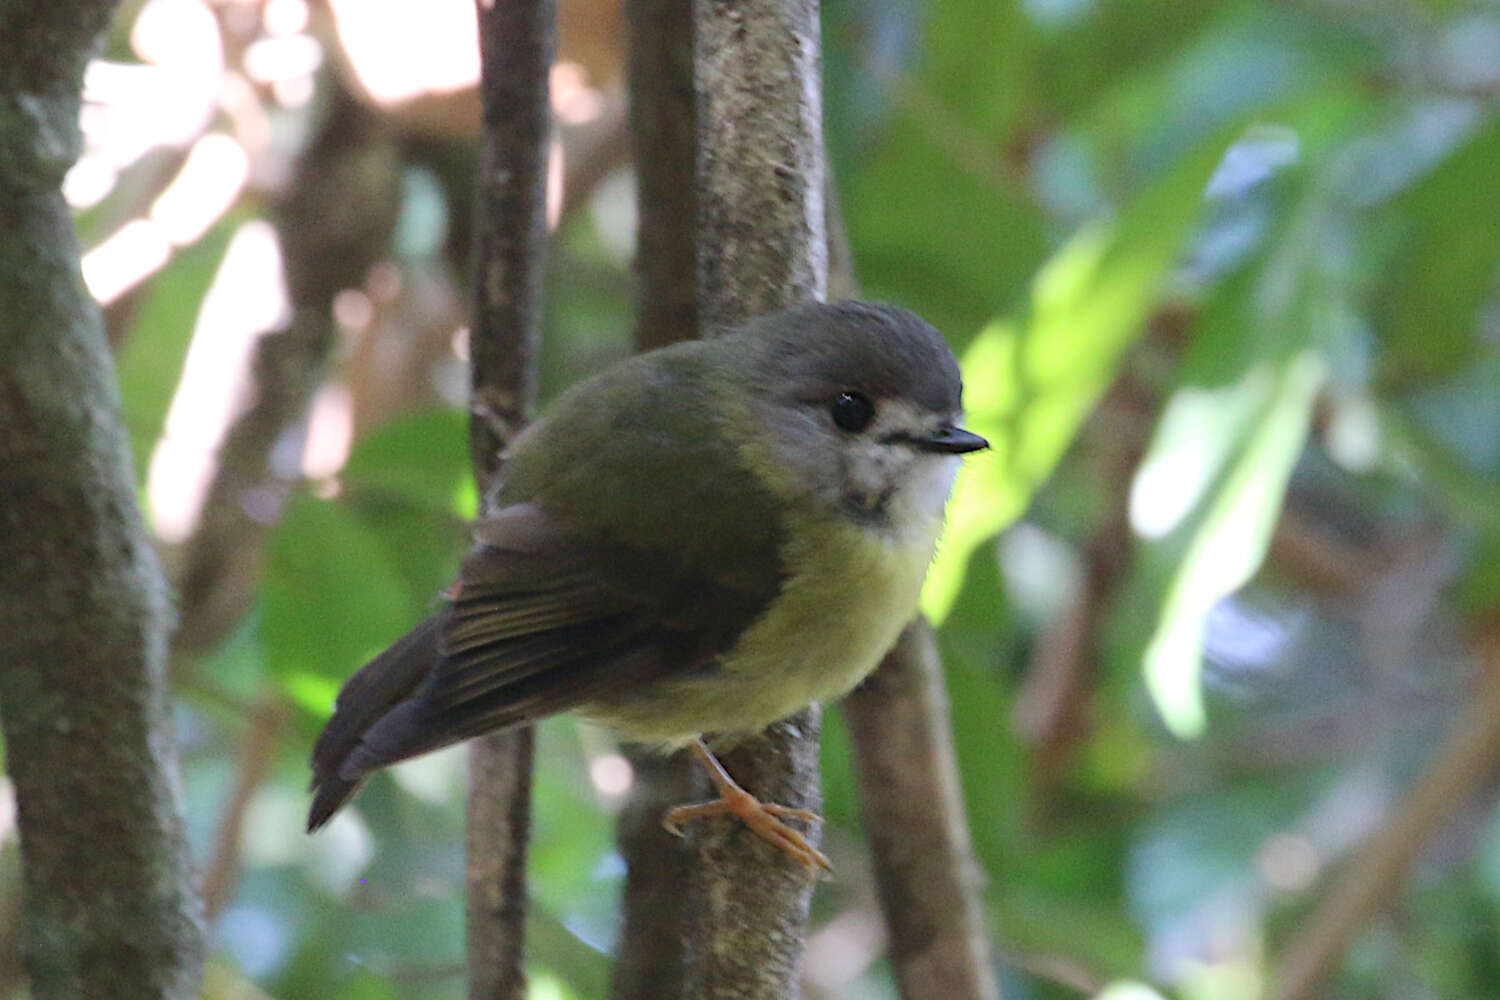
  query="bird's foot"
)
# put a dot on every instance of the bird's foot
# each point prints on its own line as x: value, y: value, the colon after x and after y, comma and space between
x: 763, y: 818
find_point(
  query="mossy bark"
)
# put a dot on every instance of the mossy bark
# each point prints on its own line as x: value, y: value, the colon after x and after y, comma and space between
x: 84, y: 618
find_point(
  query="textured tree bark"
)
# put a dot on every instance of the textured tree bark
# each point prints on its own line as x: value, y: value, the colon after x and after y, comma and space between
x: 747, y: 905
x: 499, y: 826
x: 912, y: 810
x: 648, y: 958
x: 516, y: 42
x: 763, y: 238
x: 762, y: 245
x: 664, y: 140
x: 83, y: 612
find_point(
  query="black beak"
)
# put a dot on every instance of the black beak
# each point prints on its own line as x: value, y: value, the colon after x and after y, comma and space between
x: 950, y: 441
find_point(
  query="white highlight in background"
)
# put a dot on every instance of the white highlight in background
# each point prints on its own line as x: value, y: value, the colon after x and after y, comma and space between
x: 611, y: 774
x: 401, y: 50
x: 123, y: 260
x: 247, y: 298
x: 203, y: 190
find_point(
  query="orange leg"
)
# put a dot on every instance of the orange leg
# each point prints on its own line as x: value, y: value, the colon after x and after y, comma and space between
x: 764, y: 818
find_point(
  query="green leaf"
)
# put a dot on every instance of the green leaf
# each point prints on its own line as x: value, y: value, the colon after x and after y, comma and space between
x: 1246, y: 58
x: 1469, y: 490
x: 331, y: 595
x: 1125, y: 989
x: 1209, y: 490
x: 1445, y: 270
x: 1030, y: 382
x: 1234, y: 522
x: 945, y: 242
x: 422, y: 458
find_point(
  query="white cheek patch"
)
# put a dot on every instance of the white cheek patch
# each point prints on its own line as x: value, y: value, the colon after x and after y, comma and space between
x: 882, y: 473
x: 930, y: 483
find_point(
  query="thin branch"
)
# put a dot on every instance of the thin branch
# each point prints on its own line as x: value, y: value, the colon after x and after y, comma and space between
x: 912, y: 810
x: 763, y: 240
x: 257, y: 753
x: 108, y: 910
x: 663, y: 127
x: 649, y: 957
x: 1375, y: 875
x: 762, y: 245
x: 499, y: 824
x: 747, y: 905
x: 516, y: 42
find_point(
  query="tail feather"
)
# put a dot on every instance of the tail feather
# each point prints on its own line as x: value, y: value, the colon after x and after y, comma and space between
x: 377, y: 690
x: 329, y: 796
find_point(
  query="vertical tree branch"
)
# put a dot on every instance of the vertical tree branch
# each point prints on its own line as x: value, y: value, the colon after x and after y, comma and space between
x: 648, y: 958
x: 762, y: 245
x: 499, y: 823
x: 83, y: 609
x: 664, y: 137
x: 516, y: 41
x: 763, y: 238
x: 912, y: 809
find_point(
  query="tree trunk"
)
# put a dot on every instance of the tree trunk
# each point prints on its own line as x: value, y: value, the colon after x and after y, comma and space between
x: 762, y: 246
x: 83, y: 609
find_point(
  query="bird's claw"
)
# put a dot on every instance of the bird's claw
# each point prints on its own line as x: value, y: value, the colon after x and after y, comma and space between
x: 763, y: 819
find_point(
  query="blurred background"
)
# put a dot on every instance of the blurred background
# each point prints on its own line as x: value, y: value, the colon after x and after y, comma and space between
x: 1220, y: 605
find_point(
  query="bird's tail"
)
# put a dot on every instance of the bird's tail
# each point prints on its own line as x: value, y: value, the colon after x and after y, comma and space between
x: 376, y: 690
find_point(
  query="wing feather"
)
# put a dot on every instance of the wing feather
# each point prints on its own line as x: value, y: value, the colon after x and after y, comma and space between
x: 537, y: 624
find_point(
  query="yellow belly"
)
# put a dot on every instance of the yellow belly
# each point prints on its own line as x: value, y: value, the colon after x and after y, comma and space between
x: 849, y: 592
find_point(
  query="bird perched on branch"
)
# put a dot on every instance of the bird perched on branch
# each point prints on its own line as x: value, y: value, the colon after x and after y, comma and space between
x: 697, y: 542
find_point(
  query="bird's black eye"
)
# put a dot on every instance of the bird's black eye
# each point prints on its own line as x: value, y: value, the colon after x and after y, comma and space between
x: 852, y: 412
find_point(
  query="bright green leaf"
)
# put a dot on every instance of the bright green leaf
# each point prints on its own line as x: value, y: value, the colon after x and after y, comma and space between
x: 1230, y: 541
x: 313, y: 692
x: 1030, y: 383
x: 1210, y: 487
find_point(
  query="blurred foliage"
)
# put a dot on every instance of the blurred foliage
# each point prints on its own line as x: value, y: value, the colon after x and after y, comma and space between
x: 1223, y: 278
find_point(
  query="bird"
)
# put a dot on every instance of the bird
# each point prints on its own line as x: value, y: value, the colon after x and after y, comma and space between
x: 686, y: 548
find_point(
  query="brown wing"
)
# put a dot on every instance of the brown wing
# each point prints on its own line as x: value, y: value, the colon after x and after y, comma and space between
x: 539, y: 623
